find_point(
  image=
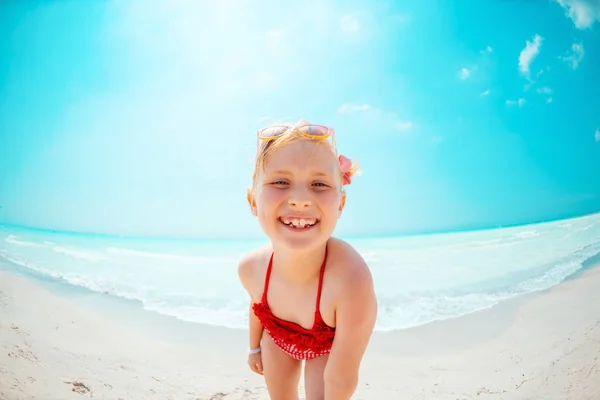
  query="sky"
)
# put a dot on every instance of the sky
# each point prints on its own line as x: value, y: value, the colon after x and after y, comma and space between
x: 139, y: 117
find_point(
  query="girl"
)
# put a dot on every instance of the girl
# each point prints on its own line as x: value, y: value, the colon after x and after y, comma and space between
x: 312, y: 296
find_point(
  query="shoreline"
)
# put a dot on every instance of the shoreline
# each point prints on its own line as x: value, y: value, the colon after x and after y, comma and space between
x: 542, y: 345
x: 109, y: 304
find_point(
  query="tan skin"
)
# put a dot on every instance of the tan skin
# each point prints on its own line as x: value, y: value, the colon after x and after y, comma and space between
x: 303, y: 177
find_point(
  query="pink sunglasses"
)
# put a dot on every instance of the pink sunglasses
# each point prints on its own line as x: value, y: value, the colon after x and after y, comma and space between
x: 315, y: 132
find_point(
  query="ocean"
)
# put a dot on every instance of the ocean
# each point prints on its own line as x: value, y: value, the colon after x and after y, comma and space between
x: 418, y: 279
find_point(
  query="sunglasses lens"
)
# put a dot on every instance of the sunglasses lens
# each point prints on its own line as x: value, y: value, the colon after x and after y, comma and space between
x: 310, y: 130
x: 315, y: 130
x: 273, y: 131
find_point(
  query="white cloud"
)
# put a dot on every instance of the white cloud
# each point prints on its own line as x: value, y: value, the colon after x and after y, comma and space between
x: 464, y: 74
x: 528, y: 54
x: 521, y: 102
x: 575, y: 57
x: 583, y: 12
x: 351, y: 108
x: 485, y: 93
x: 404, y: 125
x: 597, y: 135
x: 544, y: 90
x: 349, y: 24
x: 530, y: 80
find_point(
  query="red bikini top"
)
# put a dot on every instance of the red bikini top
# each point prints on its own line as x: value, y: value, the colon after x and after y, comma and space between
x: 314, y: 341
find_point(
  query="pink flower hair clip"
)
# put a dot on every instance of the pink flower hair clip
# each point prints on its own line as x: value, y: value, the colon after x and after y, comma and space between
x: 345, y: 165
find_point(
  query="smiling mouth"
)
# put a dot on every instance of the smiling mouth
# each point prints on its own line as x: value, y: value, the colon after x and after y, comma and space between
x: 299, y: 223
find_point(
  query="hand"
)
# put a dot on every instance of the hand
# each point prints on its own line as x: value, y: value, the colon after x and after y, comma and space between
x: 255, y: 362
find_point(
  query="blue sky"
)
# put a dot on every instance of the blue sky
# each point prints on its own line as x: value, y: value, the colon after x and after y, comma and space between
x: 139, y: 118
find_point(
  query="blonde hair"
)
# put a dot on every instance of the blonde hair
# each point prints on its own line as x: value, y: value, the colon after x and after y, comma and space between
x: 292, y: 134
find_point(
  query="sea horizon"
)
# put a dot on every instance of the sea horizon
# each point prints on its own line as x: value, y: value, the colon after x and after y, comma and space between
x: 382, y: 235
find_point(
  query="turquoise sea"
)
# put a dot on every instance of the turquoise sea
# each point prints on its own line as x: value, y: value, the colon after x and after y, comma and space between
x: 418, y: 279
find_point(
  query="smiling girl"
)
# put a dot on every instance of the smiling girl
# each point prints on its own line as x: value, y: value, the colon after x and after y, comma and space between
x: 311, y: 295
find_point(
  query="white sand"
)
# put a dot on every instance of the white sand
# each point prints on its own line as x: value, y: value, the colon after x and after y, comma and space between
x: 542, y: 346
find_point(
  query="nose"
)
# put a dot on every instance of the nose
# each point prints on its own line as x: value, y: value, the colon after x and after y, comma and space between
x: 299, y: 199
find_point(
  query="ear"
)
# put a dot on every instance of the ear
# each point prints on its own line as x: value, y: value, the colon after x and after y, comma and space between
x: 342, y: 203
x: 251, y: 201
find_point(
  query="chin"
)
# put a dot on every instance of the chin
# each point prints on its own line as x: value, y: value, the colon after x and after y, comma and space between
x: 296, y: 245
x: 300, y: 239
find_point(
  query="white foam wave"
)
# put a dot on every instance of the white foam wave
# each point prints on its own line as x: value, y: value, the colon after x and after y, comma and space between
x: 165, y: 256
x: 72, y: 279
x: 492, y: 244
x: 585, y: 228
x: 407, y: 311
x: 527, y: 234
x: 75, y: 279
x: 12, y: 239
x: 193, y: 309
x: 78, y: 254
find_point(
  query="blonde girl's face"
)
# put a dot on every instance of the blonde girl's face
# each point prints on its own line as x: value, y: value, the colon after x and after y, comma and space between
x: 298, y: 197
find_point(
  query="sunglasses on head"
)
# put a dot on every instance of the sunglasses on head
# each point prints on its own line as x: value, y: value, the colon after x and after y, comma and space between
x: 315, y: 132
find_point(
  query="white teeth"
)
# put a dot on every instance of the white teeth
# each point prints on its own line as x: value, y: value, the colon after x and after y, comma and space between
x: 299, y: 223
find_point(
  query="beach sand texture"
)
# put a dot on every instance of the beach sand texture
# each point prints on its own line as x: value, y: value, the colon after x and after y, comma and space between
x: 544, y: 345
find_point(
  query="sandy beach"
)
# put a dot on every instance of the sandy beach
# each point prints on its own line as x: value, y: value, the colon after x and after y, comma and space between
x: 545, y: 345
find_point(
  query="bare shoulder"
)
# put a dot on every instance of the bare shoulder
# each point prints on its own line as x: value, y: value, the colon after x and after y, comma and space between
x: 350, y: 269
x: 252, y: 268
x: 355, y: 315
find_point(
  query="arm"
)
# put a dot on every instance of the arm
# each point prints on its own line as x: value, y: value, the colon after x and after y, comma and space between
x: 256, y: 329
x: 245, y: 272
x: 356, y: 313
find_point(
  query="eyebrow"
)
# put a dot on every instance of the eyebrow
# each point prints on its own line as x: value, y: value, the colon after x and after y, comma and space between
x: 280, y: 172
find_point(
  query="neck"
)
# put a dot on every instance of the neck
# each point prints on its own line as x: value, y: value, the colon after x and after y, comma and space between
x: 300, y: 266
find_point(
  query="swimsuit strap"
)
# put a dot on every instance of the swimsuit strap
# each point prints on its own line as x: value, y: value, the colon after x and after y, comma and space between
x: 321, y: 274
x: 319, y: 289
x: 267, y: 278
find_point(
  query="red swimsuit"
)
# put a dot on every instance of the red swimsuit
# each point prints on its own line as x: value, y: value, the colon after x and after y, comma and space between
x: 293, y: 339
